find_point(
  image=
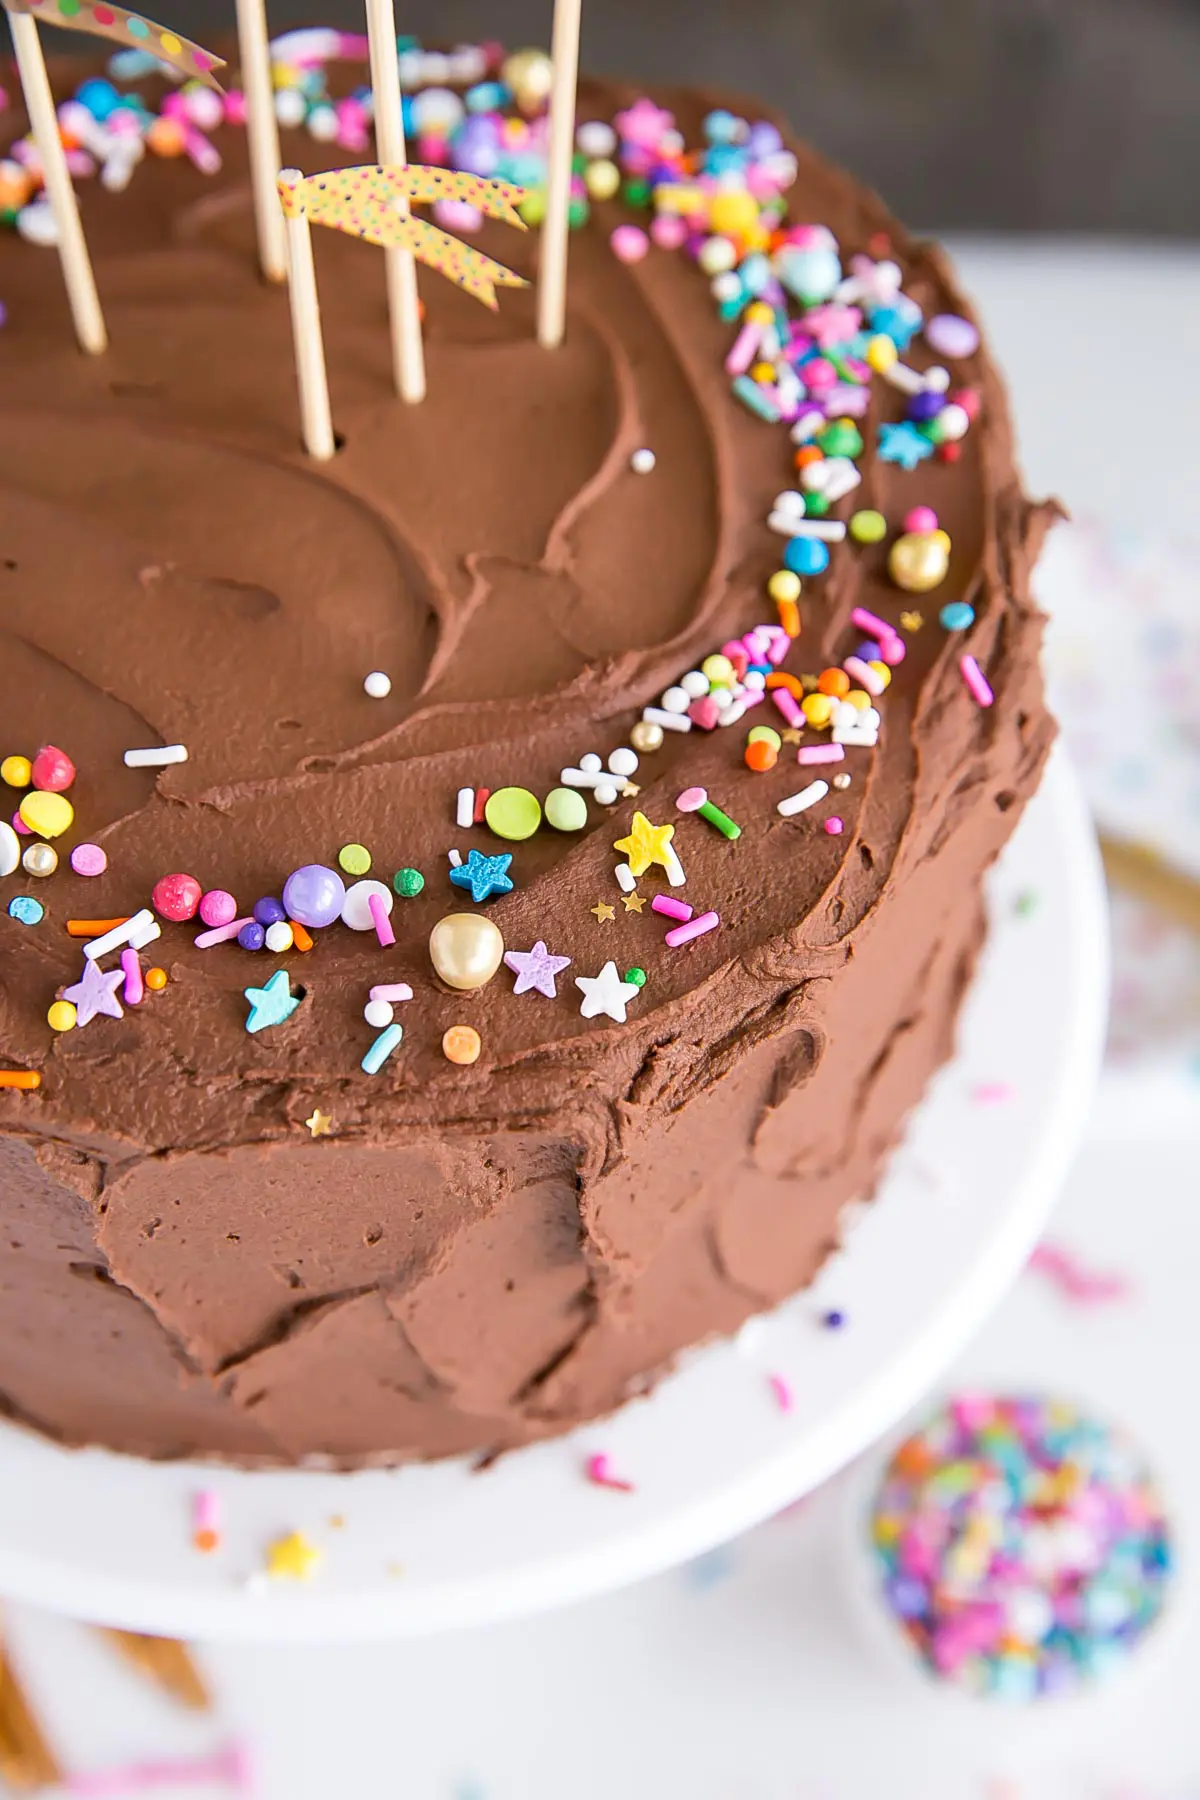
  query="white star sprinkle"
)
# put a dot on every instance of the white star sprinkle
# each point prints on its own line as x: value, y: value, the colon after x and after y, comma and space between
x: 606, y: 993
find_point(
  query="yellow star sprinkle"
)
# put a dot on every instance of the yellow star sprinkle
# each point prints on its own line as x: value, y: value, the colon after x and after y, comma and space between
x: 645, y: 844
x: 604, y: 913
x: 912, y: 621
x: 319, y: 1123
x: 634, y: 902
x: 293, y: 1558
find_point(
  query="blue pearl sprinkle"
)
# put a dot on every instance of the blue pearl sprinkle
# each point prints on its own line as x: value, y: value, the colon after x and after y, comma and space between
x: 957, y: 615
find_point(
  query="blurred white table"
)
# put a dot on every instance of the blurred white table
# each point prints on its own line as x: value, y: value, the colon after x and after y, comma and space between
x: 744, y: 1677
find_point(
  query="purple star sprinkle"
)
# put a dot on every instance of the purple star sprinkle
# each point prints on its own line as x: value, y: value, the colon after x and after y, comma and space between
x: 96, y: 993
x: 536, y: 968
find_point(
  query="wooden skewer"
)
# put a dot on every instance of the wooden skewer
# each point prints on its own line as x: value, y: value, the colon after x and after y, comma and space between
x: 552, y: 273
x: 27, y: 1763
x: 1148, y: 877
x: 72, y: 245
x: 262, y: 129
x: 167, y: 1663
x: 316, y: 418
x: 404, y: 306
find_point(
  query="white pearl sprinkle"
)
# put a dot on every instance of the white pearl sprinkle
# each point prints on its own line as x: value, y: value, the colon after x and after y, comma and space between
x: 623, y: 762
x: 591, y: 763
x: 378, y: 685
x: 378, y: 1014
x: 280, y: 937
x: 605, y: 794
x: 694, y: 684
x: 676, y: 700
x: 642, y: 461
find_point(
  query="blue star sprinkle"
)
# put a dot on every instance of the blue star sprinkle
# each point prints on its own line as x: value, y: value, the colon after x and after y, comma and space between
x: 903, y: 444
x: 272, y: 1004
x: 484, y: 875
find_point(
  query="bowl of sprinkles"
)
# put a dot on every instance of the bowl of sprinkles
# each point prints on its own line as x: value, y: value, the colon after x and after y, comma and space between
x: 1020, y: 1546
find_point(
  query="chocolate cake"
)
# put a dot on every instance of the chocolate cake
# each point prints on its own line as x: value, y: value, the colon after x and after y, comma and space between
x: 221, y: 1241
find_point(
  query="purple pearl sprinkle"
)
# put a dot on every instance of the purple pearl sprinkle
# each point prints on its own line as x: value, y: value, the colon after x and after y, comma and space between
x: 268, y: 910
x: 313, y: 896
x: 252, y: 936
x: 949, y: 334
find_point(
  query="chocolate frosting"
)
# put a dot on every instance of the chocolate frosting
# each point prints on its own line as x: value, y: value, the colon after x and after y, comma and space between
x: 478, y: 1255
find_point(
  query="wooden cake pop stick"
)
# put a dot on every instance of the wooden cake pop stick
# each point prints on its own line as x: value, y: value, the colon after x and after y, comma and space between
x: 311, y: 378
x: 72, y: 245
x: 27, y: 1763
x: 408, y: 349
x: 552, y: 273
x: 167, y: 1663
x: 262, y: 130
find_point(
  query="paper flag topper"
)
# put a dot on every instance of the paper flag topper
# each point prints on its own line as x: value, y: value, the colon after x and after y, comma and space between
x: 128, y: 29
x: 362, y: 202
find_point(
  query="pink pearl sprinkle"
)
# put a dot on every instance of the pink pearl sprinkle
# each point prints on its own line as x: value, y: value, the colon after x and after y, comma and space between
x: 88, y: 859
x: 19, y: 826
x: 218, y: 907
x: 630, y: 243
x: 669, y: 231
x: 834, y: 826
x: 893, y: 650
x: 921, y: 518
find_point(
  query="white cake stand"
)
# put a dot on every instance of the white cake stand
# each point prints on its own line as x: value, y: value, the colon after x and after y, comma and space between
x: 712, y: 1452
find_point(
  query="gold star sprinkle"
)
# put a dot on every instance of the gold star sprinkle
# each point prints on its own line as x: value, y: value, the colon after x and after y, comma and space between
x: 603, y: 912
x: 634, y: 902
x: 293, y: 1558
x: 912, y: 621
x: 630, y: 791
x: 790, y: 736
x: 319, y: 1123
x: 645, y: 844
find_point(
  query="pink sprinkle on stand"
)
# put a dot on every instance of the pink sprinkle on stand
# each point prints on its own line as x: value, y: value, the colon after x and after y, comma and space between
x: 976, y: 680
x: 784, y: 1397
x: 599, y: 1471
x: 1074, y: 1280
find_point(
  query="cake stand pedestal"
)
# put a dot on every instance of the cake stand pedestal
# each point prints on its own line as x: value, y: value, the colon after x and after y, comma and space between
x: 711, y: 1452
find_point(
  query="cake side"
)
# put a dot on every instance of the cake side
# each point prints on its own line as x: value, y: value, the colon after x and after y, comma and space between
x: 474, y: 1256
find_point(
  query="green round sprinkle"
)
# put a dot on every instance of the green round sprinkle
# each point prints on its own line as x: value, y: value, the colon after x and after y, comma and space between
x: 815, y: 506
x: 566, y: 809
x: 868, y: 527
x: 841, y: 438
x: 764, y: 734
x: 513, y: 813
x: 637, y: 192
x: 354, y: 858
x: 636, y: 976
x: 69, y: 8
x: 408, y: 883
x: 578, y: 211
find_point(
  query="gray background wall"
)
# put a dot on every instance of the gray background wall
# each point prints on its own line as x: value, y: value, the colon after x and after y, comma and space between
x: 1011, y: 114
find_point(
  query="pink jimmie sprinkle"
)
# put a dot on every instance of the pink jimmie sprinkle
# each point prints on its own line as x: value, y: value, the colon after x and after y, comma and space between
x: 993, y: 1093
x: 976, y: 681
x: 230, y: 1767
x: 671, y: 909
x: 820, y: 753
x: 1063, y: 1268
x: 784, y: 1398
x: 599, y: 1471
x: 786, y: 703
x: 221, y: 934
x: 379, y: 917
x: 869, y: 621
x: 135, y: 987
x: 396, y: 990
x: 683, y: 934
x: 864, y: 674
x: 206, y: 1520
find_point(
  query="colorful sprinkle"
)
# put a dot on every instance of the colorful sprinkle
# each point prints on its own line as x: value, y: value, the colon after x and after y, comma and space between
x: 462, y: 1044
x: 387, y: 1041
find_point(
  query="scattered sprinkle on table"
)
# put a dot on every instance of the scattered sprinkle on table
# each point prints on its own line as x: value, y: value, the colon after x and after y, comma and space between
x: 293, y: 1558
x: 599, y: 1471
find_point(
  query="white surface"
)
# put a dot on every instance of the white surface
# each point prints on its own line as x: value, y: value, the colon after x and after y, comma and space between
x: 710, y: 1452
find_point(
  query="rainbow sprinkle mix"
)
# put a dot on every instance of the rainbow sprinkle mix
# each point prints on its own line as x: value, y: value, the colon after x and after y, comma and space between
x: 1021, y: 1546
